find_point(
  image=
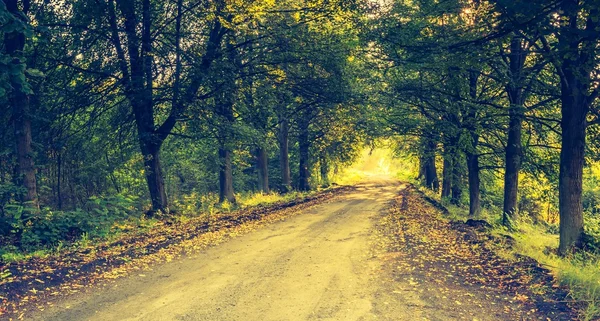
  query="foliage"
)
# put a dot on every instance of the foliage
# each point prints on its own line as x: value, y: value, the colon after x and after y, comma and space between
x: 50, y: 227
x: 92, y: 140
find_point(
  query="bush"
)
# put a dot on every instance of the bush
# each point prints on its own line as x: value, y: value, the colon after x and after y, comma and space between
x: 32, y: 229
x: 592, y: 233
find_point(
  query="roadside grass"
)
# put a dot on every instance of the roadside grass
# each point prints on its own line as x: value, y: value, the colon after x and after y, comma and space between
x: 13, y: 255
x: 580, y: 272
x: 204, y: 207
x: 349, y: 176
x: 247, y: 200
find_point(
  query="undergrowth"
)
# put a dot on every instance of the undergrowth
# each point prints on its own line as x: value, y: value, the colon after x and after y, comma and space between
x: 48, y: 232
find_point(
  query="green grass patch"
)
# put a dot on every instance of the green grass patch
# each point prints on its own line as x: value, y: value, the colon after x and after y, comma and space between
x: 247, y: 200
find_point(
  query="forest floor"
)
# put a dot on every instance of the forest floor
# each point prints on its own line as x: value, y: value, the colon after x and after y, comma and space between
x: 380, y: 251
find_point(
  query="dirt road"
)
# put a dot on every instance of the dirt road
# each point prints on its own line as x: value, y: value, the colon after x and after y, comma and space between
x: 314, y: 266
x: 347, y: 259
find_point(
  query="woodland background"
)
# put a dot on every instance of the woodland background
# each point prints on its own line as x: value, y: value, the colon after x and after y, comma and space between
x: 136, y: 110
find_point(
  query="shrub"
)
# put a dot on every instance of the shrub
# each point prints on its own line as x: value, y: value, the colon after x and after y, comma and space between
x: 32, y: 229
x: 592, y: 233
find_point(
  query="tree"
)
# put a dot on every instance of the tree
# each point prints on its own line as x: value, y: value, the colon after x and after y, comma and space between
x: 569, y: 40
x: 15, y: 37
x: 578, y: 59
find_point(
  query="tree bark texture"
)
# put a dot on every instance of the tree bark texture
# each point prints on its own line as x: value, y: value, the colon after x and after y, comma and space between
x: 225, y: 177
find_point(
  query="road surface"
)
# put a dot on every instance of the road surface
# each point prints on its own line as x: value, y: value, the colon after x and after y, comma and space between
x: 315, y: 266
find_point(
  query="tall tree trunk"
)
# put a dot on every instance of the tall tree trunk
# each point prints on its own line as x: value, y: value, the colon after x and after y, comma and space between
x: 58, y: 179
x: 135, y: 65
x: 456, y: 184
x: 472, y: 154
x: 446, y: 177
x: 431, y: 179
x: 150, y: 148
x: 422, y: 168
x: 262, y: 166
x: 449, y: 166
x: 14, y: 43
x: 304, y: 149
x: 284, y: 157
x: 571, y: 173
x: 429, y: 169
x: 514, y: 150
x: 225, y: 176
x: 576, y: 65
x: 25, y: 165
x: 512, y: 166
x: 324, y: 169
x: 474, y: 185
x: 224, y: 108
x: 140, y: 95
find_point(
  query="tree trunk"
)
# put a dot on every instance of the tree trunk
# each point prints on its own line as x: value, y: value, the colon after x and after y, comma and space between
x: 422, y: 168
x: 512, y: 166
x: 431, y: 179
x: 573, y: 123
x: 58, y: 180
x: 25, y: 165
x: 577, y: 63
x: 304, y: 146
x: 429, y: 170
x: 225, y: 176
x: 284, y: 157
x: 225, y: 109
x: 324, y: 169
x: 514, y: 150
x: 446, y: 177
x: 472, y: 155
x: 140, y: 95
x: 154, y: 177
x: 14, y: 43
x: 474, y: 185
x: 262, y: 166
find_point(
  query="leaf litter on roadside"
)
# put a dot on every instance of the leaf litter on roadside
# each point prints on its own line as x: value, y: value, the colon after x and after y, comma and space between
x: 453, y: 267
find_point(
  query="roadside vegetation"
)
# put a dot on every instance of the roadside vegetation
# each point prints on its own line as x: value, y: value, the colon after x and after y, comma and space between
x: 460, y: 268
x: 108, y: 220
x: 536, y: 235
